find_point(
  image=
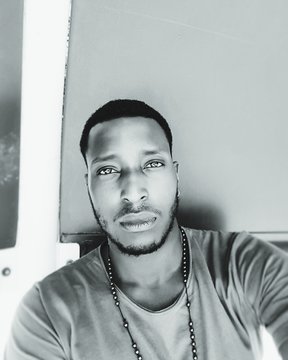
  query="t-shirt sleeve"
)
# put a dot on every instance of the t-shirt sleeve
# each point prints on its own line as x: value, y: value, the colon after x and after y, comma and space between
x: 263, y: 273
x: 32, y: 334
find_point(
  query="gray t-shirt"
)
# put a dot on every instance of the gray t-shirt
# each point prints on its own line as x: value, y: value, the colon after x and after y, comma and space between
x: 236, y: 284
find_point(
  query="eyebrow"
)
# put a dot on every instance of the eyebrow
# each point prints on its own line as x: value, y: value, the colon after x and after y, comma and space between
x: 103, y: 158
x: 115, y: 156
x: 153, y: 152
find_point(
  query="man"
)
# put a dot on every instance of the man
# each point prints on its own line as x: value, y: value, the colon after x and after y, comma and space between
x: 154, y: 290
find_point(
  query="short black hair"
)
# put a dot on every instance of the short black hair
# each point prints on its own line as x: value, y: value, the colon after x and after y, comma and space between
x: 116, y: 109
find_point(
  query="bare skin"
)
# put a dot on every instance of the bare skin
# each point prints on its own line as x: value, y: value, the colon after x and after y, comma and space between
x: 130, y: 166
x: 153, y: 281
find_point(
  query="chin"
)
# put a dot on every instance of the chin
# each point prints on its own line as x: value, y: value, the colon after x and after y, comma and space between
x: 140, y: 243
x: 137, y: 250
x: 136, y: 242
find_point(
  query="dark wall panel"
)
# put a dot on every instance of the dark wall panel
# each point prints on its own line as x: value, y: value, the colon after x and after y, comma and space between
x: 11, y: 13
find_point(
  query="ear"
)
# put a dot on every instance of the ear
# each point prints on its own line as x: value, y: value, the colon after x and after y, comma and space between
x: 176, y: 167
x: 87, y: 186
x: 86, y: 179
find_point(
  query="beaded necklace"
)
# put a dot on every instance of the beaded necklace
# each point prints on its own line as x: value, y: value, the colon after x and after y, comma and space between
x: 185, y: 259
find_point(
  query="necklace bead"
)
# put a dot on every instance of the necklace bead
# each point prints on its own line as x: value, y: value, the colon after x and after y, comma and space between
x: 125, y: 324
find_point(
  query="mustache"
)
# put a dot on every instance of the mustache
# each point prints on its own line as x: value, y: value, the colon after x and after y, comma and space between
x: 130, y: 209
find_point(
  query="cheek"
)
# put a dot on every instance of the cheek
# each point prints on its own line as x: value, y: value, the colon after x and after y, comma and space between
x: 104, y: 199
x: 165, y: 188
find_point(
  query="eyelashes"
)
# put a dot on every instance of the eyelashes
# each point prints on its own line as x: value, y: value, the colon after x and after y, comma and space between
x: 106, y: 171
x: 155, y: 164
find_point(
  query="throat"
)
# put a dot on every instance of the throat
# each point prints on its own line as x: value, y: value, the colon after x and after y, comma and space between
x: 153, y: 281
x: 155, y: 298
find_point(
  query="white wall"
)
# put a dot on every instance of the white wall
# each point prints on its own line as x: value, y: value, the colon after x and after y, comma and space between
x: 44, y: 51
x: 218, y: 72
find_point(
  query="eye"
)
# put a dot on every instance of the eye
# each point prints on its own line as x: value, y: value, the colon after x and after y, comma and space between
x: 107, y: 171
x: 154, y: 164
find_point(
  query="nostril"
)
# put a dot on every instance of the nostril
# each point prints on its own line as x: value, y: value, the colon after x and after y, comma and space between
x: 136, y: 199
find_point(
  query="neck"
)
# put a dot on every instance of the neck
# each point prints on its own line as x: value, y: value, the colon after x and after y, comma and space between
x: 149, y: 270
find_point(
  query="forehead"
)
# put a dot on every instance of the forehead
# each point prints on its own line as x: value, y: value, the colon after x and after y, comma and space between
x: 122, y: 134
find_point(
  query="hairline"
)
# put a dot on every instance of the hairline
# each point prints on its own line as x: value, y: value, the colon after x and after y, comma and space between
x: 121, y: 117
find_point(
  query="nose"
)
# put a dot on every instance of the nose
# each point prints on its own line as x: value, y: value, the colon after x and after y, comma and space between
x: 134, y: 189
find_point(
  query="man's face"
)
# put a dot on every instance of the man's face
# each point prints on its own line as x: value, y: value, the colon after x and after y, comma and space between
x: 132, y: 183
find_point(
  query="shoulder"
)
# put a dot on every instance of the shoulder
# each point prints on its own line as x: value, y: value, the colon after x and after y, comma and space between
x: 60, y: 294
x: 237, y: 245
x: 237, y: 255
x: 69, y: 283
x: 53, y: 305
x: 214, y: 243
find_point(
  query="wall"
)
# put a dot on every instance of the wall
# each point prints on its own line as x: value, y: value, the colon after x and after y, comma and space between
x: 218, y: 72
x: 35, y: 254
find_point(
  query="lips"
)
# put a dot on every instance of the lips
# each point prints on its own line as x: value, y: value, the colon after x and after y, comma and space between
x: 138, y: 222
